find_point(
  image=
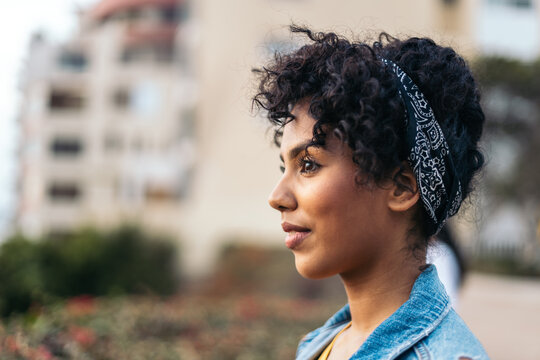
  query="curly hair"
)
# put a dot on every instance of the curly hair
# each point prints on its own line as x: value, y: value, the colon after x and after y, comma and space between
x: 354, y: 96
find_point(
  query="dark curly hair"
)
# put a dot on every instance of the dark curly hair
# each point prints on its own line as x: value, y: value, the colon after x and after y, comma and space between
x: 354, y: 96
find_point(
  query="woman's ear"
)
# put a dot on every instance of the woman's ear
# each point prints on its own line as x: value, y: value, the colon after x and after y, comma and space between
x: 404, y: 192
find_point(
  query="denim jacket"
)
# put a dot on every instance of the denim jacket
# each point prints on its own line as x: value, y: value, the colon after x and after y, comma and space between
x: 424, y: 327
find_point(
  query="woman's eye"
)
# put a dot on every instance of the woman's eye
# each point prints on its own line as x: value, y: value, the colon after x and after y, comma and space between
x: 282, y: 169
x: 308, y: 166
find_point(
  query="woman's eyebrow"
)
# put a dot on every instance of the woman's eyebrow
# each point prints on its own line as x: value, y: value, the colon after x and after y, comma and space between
x: 292, y: 153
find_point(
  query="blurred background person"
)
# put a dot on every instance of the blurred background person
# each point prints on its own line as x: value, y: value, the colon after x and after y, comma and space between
x: 445, y: 254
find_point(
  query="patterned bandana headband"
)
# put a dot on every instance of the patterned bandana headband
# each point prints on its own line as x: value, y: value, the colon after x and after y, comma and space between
x: 429, y: 157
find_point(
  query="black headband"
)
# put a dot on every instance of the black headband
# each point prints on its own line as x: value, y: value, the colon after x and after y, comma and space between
x: 429, y: 157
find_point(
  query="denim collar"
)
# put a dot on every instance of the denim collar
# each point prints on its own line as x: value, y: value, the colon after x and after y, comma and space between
x: 427, y: 306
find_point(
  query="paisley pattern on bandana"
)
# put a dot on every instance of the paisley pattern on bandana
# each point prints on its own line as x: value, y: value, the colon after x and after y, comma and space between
x: 429, y: 157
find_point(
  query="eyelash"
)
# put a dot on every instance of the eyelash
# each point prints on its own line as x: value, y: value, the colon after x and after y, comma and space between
x: 302, y: 163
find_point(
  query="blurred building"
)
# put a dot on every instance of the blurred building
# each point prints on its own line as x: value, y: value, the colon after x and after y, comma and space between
x: 144, y: 116
x: 508, y: 28
x: 106, y: 121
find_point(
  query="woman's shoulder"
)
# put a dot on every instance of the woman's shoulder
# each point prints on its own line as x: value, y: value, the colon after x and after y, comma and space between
x: 451, y: 339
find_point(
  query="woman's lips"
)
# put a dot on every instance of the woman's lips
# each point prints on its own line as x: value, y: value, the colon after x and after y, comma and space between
x: 295, y: 234
x: 294, y: 238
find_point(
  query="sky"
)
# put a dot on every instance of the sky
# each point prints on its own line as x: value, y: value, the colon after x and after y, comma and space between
x: 18, y: 20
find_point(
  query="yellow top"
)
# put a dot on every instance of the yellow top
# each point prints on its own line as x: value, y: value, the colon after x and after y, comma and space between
x: 328, y: 349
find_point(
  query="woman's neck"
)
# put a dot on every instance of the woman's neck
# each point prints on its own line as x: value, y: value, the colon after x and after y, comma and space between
x: 375, y: 295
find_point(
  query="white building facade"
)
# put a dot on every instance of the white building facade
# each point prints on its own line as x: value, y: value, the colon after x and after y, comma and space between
x: 106, y: 122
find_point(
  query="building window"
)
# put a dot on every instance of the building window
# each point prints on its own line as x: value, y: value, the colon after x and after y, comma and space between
x: 148, y: 52
x: 73, y: 60
x: 66, y: 191
x: 121, y: 98
x: 143, y: 99
x: 154, y: 193
x: 65, y: 100
x: 522, y: 4
x: 170, y: 14
x: 66, y: 147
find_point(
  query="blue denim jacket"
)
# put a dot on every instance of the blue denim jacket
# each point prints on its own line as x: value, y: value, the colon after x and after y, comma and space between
x: 424, y: 327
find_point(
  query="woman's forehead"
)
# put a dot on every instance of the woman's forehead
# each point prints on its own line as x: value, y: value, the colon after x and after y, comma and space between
x: 298, y: 136
x: 297, y: 131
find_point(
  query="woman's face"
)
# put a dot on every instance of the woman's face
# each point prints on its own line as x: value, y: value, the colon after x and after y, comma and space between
x: 334, y: 226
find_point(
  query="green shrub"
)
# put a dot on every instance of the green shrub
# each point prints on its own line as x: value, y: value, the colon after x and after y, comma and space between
x: 123, y: 261
x: 145, y: 265
x: 73, y: 264
x: 20, y: 275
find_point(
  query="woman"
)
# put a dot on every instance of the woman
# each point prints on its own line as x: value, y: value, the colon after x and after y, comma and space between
x: 379, y: 146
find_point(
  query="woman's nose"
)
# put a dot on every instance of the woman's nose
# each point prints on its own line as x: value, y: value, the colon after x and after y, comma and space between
x: 282, y: 198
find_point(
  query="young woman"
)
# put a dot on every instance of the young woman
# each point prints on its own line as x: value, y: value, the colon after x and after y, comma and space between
x: 379, y: 146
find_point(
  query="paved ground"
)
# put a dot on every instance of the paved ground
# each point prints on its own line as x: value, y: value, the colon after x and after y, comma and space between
x: 504, y: 312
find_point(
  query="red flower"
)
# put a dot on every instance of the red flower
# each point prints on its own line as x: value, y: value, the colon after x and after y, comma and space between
x: 81, y: 305
x: 248, y: 308
x: 12, y: 344
x: 83, y: 336
x: 43, y: 353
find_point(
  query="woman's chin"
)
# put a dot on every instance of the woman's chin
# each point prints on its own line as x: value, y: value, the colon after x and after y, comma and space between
x: 311, y: 270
